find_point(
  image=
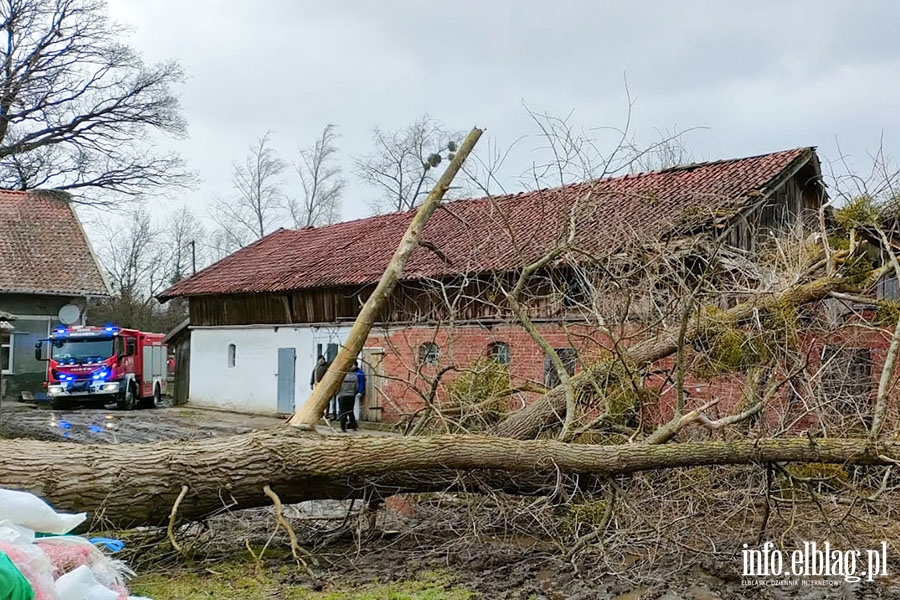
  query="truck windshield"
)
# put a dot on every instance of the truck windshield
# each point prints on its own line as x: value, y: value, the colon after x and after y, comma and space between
x: 81, y: 351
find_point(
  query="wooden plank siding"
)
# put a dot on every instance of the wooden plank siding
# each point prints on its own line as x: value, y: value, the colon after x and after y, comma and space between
x: 306, y: 306
x: 797, y: 199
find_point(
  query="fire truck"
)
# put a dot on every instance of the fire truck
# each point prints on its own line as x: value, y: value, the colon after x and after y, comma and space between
x: 99, y: 365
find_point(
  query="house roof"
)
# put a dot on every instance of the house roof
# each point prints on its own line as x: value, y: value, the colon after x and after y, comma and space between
x: 497, y: 233
x: 44, y: 249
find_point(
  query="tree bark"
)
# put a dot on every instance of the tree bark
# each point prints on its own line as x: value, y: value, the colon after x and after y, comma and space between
x: 549, y: 409
x: 311, y: 411
x: 136, y: 484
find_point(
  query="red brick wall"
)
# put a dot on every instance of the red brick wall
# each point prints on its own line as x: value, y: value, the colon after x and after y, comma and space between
x: 461, y: 347
x: 786, y: 410
x: 406, y: 381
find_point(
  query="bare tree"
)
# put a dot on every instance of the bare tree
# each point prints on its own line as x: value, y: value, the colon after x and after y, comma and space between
x: 220, y: 243
x: 138, y: 265
x: 253, y: 211
x: 647, y: 317
x: 184, y: 235
x: 321, y: 183
x: 78, y: 108
x: 669, y: 150
x: 401, y: 165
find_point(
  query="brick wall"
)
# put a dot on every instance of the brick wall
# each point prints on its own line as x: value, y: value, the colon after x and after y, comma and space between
x: 406, y: 381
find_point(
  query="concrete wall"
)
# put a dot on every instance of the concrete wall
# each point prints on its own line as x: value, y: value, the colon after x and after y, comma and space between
x: 251, y: 384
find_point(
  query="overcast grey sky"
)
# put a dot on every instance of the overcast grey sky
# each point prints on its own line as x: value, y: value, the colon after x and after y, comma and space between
x: 761, y: 76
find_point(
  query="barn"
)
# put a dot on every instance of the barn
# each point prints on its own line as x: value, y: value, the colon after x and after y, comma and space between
x: 261, y: 316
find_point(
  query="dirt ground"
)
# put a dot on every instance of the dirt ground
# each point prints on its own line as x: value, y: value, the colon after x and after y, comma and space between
x: 415, y: 544
x: 414, y: 538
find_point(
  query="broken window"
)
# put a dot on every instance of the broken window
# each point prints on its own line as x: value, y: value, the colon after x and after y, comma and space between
x: 576, y: 292
x: 499, y: 352
x: 888, y: 288
x: 429, y: 353
x: 568, y: 357
x: 846, y: 378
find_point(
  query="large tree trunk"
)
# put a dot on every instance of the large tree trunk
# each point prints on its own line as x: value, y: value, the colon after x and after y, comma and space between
x: 131, y: 484
x: 549, y: 410
x: 311, y: 411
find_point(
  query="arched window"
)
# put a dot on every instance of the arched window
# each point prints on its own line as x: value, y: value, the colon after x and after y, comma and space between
x: 232, y: 355
x: 429, y: 353
x: 499, y: 352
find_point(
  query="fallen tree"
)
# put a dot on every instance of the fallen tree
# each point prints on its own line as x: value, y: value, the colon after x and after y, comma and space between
x: 550, y: 410
x: 128, y: 484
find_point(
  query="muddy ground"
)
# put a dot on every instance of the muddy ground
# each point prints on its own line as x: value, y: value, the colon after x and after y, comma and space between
x: 416, y: 537
x: 111, y: 426
x: 411, y: 536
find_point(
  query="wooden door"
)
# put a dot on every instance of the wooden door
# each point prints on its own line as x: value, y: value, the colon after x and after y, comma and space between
x: 373, y: 367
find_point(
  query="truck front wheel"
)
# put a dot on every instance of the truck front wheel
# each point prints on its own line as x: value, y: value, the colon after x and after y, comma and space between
x: 60, y: 404
x: 127, y: 398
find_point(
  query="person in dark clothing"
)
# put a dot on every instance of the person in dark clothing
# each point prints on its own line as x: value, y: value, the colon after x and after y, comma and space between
x: 347, y: 396
x: 318, y: 372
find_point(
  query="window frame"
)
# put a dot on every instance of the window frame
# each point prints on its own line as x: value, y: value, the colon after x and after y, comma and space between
x: 569, y: 357
x: 10, y: 345
x: 429, y: 354
x: 846, y: 377
x: 497, y: 356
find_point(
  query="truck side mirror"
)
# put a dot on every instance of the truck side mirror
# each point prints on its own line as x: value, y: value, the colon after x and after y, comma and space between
x: 130, y: 347
x: 42, y: 350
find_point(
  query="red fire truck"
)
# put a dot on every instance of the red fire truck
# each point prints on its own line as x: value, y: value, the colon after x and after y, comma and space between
x: 98, y: 365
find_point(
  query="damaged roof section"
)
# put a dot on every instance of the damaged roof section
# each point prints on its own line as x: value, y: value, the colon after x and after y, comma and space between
x: 499, y: 233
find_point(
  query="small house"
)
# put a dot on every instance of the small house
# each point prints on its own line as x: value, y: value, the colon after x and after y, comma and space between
x: 48, y: 271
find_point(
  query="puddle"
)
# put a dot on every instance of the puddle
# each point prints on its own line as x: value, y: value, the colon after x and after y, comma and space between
x: 545, y: 580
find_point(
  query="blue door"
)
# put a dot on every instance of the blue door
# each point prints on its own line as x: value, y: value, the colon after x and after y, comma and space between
x: 287, y: 361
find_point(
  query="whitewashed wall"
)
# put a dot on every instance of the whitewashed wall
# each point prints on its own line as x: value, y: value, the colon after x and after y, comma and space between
x: 251, y: 385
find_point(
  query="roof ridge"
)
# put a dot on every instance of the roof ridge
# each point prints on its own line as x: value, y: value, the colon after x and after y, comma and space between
x: 707, y: 163
x: 49, y: 252
x: 508, y: 195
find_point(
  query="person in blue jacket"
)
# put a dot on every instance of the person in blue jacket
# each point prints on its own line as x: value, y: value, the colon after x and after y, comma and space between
x: 353, y: 388
x: 361, y: 388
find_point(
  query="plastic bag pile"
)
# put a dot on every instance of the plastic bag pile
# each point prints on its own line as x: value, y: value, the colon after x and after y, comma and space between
x: 39, y: 561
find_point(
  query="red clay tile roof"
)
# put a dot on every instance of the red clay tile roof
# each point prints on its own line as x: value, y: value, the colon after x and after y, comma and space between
x: 43, y: 248
x: 503, y: 233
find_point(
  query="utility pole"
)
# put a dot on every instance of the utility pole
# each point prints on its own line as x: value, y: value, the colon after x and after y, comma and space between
x: 193, y: 257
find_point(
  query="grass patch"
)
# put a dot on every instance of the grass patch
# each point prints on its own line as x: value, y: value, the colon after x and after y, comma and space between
x: 249, y: 582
